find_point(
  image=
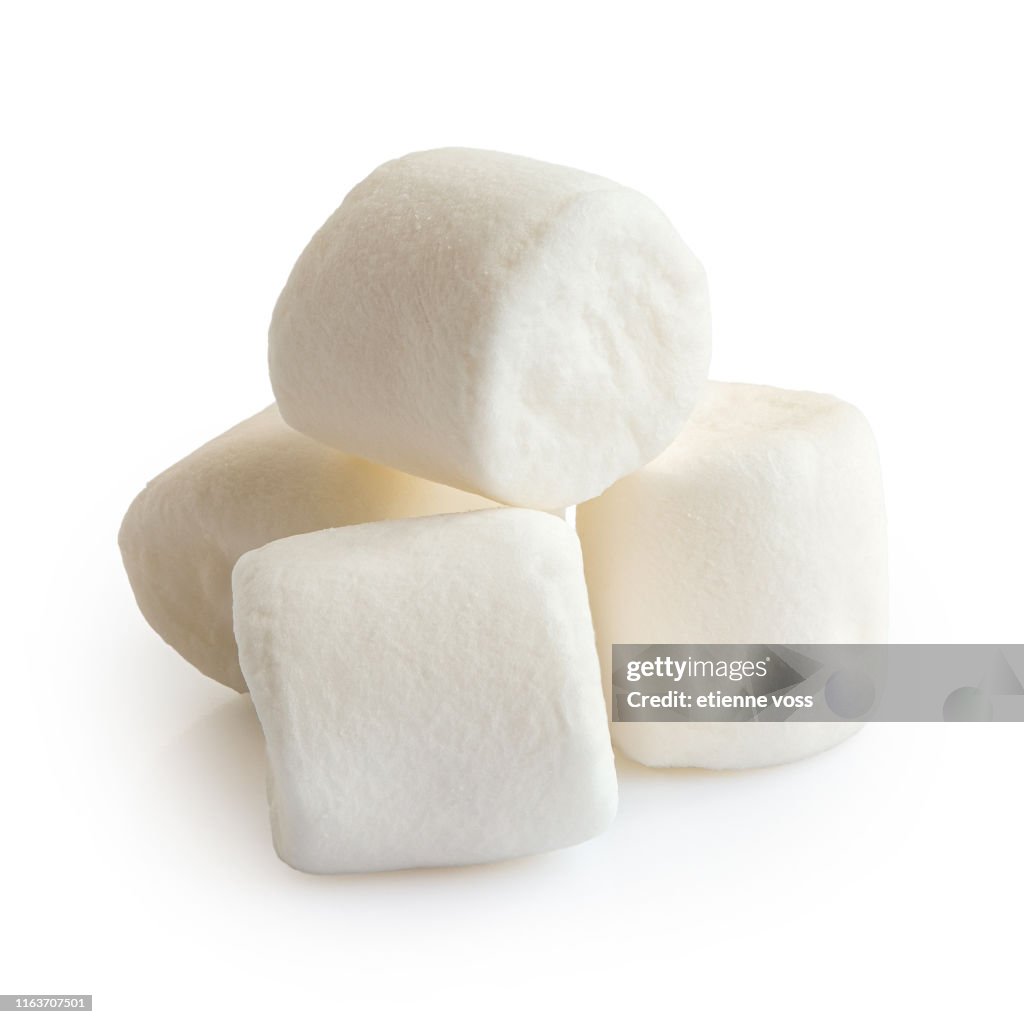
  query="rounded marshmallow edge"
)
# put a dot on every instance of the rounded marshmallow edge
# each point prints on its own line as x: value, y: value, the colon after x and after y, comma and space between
x: 517, y: 329
x: 255, y: 483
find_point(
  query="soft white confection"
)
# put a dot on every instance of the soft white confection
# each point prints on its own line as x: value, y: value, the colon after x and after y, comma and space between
x: 260, y: 481
x: 429, y: 691
x: 509, y: 327
x: 763, y: 523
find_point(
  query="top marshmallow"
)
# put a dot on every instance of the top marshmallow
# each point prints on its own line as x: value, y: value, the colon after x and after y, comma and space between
x: 521, y: 330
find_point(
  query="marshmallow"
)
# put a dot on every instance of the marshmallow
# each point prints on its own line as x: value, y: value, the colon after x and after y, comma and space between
x: 429, y: 691
x: 258, y: 482
x: 509, y: 327
x: 762, y: 523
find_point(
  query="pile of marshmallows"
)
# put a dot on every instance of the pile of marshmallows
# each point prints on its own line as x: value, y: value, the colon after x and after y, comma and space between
x: 471, y: 331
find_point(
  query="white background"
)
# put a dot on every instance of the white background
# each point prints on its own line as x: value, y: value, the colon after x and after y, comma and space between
x: 851, y: 176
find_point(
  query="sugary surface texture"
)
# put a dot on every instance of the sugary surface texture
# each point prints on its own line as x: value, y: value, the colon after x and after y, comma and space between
x: 259, y: 481
x: 429, y: 691
x: 763, y: 522
x: 509, y: 327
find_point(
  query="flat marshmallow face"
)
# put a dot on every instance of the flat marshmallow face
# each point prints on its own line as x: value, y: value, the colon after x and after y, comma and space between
x: 505, y: 326
x: 429, y: 691
x: 260, y: 481
x: 763, y: 522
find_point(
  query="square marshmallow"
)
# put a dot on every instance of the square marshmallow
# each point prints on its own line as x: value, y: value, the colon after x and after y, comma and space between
x: 763, y: 523
x: 429, y: 690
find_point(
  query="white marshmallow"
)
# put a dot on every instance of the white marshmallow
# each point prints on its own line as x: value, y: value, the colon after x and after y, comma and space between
x: 510, y: 327
x: 429, y: 691
x: 762, y: 523
x: 259, y: 481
